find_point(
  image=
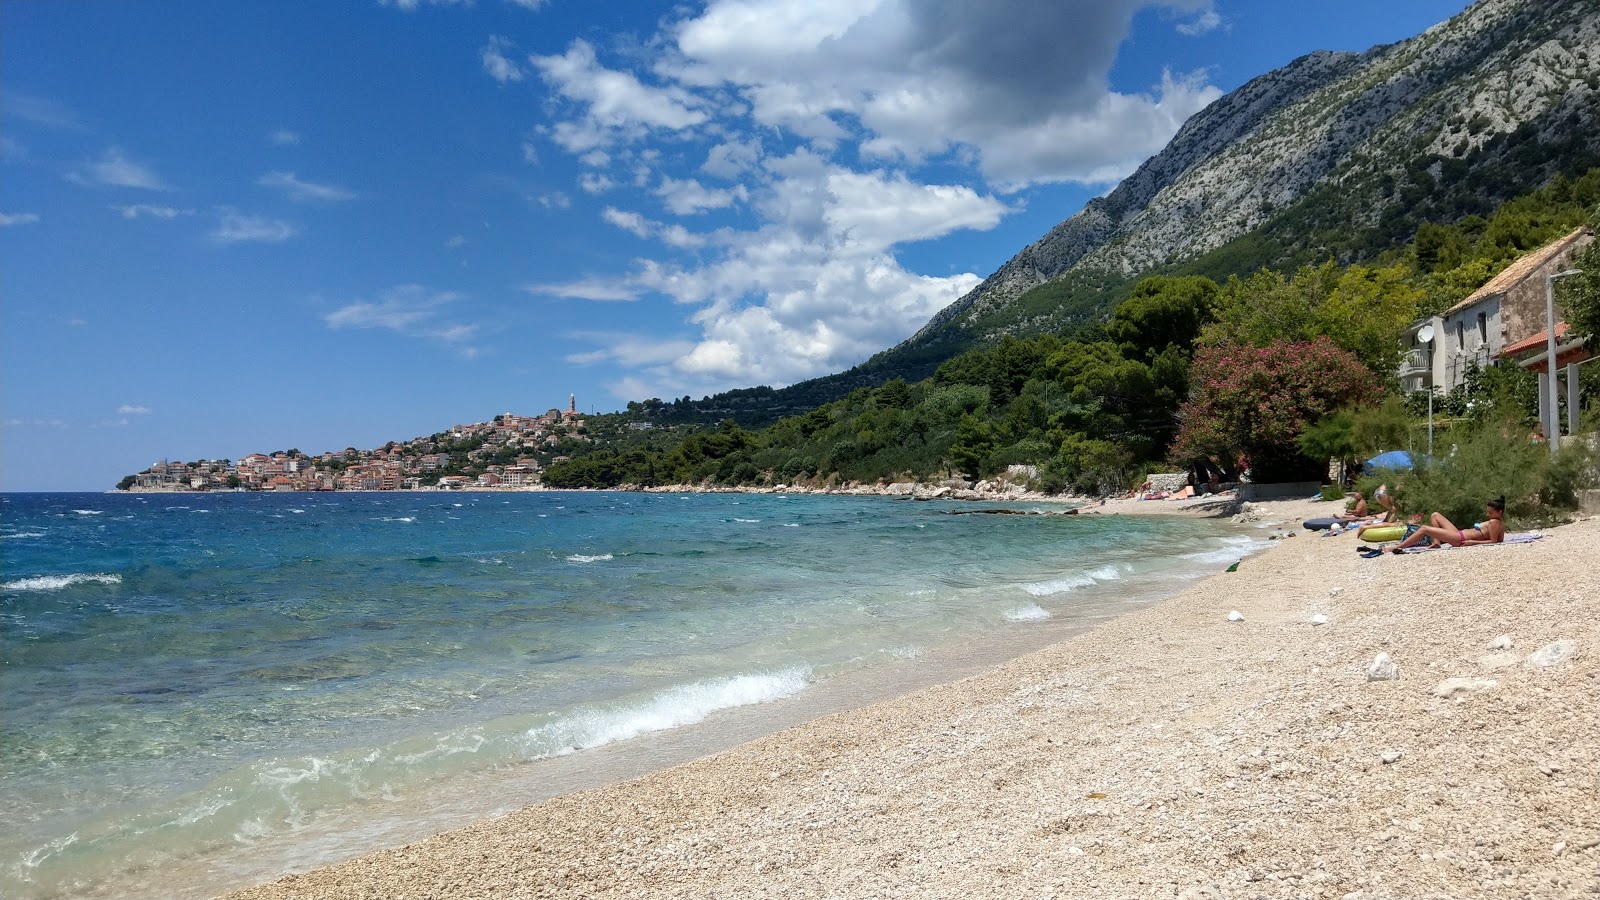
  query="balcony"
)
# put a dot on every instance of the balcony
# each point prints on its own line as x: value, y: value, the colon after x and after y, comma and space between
x: 1416, y: 361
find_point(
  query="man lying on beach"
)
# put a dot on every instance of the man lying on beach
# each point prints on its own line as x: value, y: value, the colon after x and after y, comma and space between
x: 1490, y: 531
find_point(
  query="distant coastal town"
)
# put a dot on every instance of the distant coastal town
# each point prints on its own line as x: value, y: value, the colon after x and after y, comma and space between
x: 507, y: 452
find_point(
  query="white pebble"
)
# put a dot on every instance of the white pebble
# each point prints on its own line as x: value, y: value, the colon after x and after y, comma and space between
x: 1319, y: 618
x: 1452, y: 686
x: 1393, y: 756
x: 1553, y: 654
x: 1236, y: 616
x: 1335, y: 592
x: 1503, y: 642
x: 1383, y: 669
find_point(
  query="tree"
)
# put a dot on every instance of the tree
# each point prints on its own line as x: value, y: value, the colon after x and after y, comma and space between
x: 1580, y: 294
x: 1163, y: 311
x: 1257, y: 401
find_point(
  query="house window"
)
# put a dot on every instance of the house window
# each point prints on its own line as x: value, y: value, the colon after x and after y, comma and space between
x: 1461, y: 334
x: 1483, y: 328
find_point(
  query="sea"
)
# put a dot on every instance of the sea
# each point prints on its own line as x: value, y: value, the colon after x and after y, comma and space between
x: 202, y: 692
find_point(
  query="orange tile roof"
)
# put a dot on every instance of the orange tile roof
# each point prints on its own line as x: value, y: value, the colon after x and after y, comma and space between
x: 1539, y: 340
x: 1518, y: 271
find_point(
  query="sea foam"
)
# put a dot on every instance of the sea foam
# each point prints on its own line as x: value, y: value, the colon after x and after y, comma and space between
x: 1032, y: 612
x: 579, y: 558
x: 58, y: 582
x: 674, y: 707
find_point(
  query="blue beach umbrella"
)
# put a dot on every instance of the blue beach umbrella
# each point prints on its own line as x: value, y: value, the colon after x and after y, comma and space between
x: 1393, y: 459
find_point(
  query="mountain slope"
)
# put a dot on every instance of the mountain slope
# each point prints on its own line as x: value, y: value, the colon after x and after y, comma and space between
x: 1336, y: 154
x: 1507, y: 84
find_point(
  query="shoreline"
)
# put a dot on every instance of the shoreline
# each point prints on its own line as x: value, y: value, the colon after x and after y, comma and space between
x: 1165, y: 750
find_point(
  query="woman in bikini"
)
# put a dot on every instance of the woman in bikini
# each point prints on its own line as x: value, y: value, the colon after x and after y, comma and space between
x: 1490, y: 531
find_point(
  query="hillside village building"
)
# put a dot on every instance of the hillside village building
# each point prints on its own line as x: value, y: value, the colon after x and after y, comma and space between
x: 1503, y: 322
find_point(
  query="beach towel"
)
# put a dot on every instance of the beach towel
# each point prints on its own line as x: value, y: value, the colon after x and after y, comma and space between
x: 1526, y: 537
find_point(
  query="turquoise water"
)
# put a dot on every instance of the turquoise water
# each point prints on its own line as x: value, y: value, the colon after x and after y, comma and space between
x: 197, y: 677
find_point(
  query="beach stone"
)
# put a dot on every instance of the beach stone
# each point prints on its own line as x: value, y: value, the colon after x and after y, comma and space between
x: 1503, y: 642
x: 1462, y: 685
x: 1319, y: 619
x: 1553, y: 654
x: 1334, y: 592
x: 1383, y: 668
x: 1236, y: 616
x: 1392, y: 757
x: 1494, y: 661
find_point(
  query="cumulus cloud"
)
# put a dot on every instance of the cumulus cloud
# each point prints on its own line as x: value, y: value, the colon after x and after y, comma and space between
x: 9, y: 219
x: 283, y: 137
x: 411, y: 310
x: 131, y: 409
x: 238, y: 228
x: 302, y: 191
x: 835, y: 133
x: 115, y: 169
x: 495, y: 62
x: 614, y: 102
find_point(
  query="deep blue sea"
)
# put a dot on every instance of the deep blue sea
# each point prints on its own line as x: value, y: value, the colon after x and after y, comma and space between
x: 202, y: 691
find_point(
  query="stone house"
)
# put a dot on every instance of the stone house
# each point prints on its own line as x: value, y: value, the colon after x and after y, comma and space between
x: 1508, y: 311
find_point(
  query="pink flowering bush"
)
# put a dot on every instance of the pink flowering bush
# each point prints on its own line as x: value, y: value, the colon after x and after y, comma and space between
x: 1256, y: 401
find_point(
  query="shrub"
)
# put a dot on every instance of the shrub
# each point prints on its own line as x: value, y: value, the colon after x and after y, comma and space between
x: 1488, y: 460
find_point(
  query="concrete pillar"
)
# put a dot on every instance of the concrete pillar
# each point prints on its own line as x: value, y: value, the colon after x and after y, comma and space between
x: 1572, y: 399
x: 1547, y: 416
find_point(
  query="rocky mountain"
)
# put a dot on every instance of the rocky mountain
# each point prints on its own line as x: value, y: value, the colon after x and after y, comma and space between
x: 1491, y: 103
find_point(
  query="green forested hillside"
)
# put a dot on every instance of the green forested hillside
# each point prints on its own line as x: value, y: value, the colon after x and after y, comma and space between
x: 1163, y: 379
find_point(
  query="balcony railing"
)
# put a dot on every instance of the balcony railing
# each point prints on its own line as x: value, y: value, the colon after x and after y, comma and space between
x: 1416, y: 360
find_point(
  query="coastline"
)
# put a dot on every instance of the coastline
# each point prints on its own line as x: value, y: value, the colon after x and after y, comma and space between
x: 1166, y: 752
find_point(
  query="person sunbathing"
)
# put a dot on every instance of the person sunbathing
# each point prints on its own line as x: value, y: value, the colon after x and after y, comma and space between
x: 1490, y: 531
x: 1358, y: 510
x: 1391, y: 512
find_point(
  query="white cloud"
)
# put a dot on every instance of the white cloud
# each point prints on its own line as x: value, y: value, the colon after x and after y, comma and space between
x: 732, y: 159
x: 235, y: 228
x: 143, y: 210
x: 9, y: 219
x: 823, y: 123
x: 596, y: 184
x: 555, y: 200
x: 457, y: 240
x: 42, y: 111
x: 410, y: 5
x: 115, y: 169
x: 283, y: 137
x: 627, y: 349
x: 129, y: 409
x: 304, y: 191
x: 495, y: 62
x: 613, y: 100
x: 530, y: 5
x: 689, y: 196
x: 607, y: 289
x: 1206, y: 20
x: 411, y: 310
x: 631, y: 222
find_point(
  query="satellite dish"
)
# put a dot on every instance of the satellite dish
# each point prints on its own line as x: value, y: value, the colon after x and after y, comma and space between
x: 1425, y: 334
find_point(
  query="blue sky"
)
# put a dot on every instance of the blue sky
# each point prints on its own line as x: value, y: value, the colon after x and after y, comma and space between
x: 248, y: 226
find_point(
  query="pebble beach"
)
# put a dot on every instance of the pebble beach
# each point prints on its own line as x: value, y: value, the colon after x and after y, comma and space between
x: 1178, y: 751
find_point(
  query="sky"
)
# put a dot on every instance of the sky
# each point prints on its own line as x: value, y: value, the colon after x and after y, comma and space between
x: 242, y: 227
